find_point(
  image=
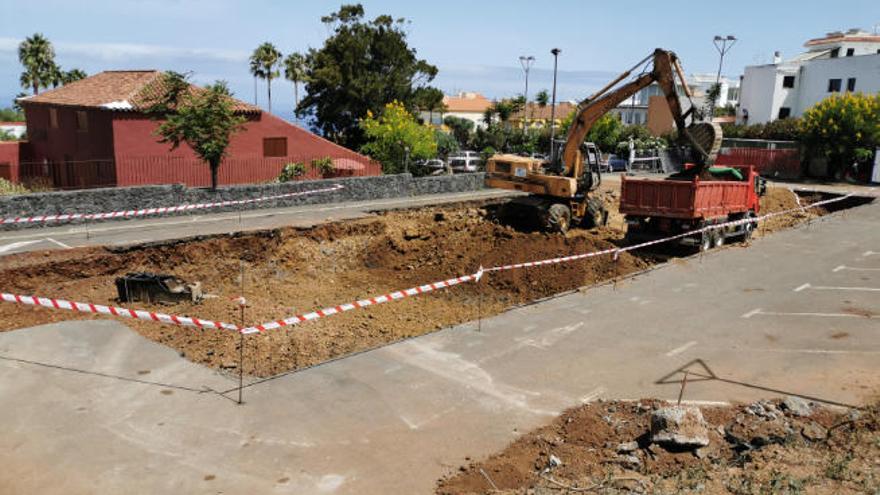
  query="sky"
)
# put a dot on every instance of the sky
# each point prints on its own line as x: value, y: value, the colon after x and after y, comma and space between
x: 475, y: 44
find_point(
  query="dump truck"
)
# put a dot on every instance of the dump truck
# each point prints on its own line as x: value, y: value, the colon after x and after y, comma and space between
x: 684, y: 202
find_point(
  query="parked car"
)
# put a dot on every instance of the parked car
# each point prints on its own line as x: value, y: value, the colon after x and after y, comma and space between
x: 616, y: 164
x: 465, y: 161
x: 432, y: 164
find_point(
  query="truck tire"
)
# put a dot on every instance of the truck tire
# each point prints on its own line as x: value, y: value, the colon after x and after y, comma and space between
x: 558, y: 218
x: 750, y: 226
x: 718, y: 238
x: 707, y: 240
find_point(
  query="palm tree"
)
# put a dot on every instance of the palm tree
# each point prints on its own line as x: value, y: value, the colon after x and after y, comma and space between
x: 295, y: 71
x: 542, y: 98
x: 73, y: 75
x: 56, y: 76
x: 263, y: 65
x: 38, y: 58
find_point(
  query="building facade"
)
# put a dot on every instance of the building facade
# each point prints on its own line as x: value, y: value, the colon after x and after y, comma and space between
x: 465, y: 105
x: 838, y: 62
x: 95, y: 132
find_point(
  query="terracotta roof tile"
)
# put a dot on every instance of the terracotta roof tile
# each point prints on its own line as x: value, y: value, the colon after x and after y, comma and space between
x: 537, y: 112
x: 469, y: 102
x: 126, y: 90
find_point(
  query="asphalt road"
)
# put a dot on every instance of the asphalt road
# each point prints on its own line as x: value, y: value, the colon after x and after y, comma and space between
x: 94, y: 408
x: 117, y: 233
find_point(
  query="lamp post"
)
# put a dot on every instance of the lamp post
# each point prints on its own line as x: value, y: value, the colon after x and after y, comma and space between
x: 721, y: 44
x: 526, y: 62
x: 555, y: 52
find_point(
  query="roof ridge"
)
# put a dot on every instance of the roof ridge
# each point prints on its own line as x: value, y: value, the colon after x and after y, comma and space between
x: 137, y: 91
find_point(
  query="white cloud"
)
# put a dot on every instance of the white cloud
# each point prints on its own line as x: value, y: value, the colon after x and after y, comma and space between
x: 124, y: 51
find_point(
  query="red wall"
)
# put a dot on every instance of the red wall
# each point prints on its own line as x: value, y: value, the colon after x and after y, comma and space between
x: 141, y: 159
x: 9, y: 158
x: 66, y: 143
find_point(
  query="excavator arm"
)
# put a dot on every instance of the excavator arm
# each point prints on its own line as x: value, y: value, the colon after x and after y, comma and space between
x: 705, y: 138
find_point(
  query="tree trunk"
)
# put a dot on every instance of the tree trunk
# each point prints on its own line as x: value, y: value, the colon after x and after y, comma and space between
x: 295, y: 98
x: 269, y: 89
x: 214, y: 168
x: 36, y: 88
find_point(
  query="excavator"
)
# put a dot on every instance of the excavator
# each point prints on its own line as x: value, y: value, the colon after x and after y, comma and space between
x: 559, y: 191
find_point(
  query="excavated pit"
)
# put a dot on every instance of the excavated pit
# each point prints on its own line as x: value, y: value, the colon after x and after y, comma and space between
x: 289, y: 271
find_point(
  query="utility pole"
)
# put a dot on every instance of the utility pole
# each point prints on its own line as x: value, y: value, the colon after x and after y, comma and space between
x: 555, y: 52
x: 721, y: 45
x: 526, y: 62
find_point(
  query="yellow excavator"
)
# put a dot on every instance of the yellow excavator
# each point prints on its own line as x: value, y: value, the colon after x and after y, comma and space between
x: 559, y: 190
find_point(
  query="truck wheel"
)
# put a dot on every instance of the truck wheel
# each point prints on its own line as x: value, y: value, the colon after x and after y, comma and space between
x: 707, y: 240
x: 718, y: 238
x: 559, y: 218
x: 749, y: 227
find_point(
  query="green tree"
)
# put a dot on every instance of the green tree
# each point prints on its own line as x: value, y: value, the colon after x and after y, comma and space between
x: 263, y: 63
x: 606, y: 132
x: 295, y: 72
x: 11, y: 115
x: 447, y: 144
x: 845, y: 128
x: 203, y: 118
x: 542, y: 98
x: 362, y: 66
x: 428, y: 99
x: 394, y: 136
x: 73, y: 75
x: 37, y: 56
x: 461, y: 128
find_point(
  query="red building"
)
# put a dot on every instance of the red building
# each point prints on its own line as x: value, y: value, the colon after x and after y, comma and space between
x: 94, y: 132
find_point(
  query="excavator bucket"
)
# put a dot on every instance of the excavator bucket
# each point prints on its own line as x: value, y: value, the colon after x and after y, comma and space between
x: 706, y: 135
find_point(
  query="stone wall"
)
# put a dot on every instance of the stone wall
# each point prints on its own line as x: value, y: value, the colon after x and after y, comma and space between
x: 131, y: 198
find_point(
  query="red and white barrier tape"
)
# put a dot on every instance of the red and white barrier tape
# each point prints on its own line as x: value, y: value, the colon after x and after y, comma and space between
x: 159, y: 210
x: 372, y: 301
x: 136, y: 314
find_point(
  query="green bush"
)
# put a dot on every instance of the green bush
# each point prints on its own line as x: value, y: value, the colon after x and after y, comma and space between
x: 292, y: 171
x: 324, y: 165
x: 8, y: 188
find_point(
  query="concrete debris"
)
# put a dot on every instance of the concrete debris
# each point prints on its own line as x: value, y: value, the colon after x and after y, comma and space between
x: 554, y: 461
x: 627, y: 447
x: 680, y: 427
x: 629, y: 461
x: 814, y: 432
x: 797, y: 406
x: 764, y: 409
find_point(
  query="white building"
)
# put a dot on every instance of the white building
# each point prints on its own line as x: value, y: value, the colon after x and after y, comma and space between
x: 836, y: 63
x: 16, y: 129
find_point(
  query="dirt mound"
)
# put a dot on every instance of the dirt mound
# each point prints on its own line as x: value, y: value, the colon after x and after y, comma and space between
x: 606, y: 447
x: 780, y: 199
x: 290, y: 271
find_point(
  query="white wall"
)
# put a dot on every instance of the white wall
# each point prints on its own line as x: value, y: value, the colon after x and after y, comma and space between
x: 763, y: 94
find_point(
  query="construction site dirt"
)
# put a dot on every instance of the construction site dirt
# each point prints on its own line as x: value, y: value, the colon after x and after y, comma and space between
x: 763, y: 447
x: 289, y: 271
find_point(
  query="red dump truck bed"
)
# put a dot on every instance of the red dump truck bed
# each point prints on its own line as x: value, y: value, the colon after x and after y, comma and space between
x: 689, y: 199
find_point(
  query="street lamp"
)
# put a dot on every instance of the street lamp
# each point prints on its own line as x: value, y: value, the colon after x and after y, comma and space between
x: 721, y: 44
x: 526, y: 62
x: 555, y: 52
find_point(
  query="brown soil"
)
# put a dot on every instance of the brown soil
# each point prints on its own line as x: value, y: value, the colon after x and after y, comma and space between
x: 747, y: 454
x: 289, y: 271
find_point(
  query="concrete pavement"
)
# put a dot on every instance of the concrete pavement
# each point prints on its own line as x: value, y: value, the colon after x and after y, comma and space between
x: 779, y: 317
x: 118, y: 233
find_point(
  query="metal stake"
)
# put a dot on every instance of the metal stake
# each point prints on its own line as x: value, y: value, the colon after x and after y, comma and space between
x: 241, y: 305
x: 684, y: 382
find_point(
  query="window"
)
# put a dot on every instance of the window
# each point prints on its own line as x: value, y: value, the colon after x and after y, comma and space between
x: 784, y: 112
x: 788, y: 82
x: 850, y: 52
x: 275, y: 147
x: 835, y: 52
x: 53, y: 118
x: 82, y: 121
x: 851, y: 84
x: 833, y: 85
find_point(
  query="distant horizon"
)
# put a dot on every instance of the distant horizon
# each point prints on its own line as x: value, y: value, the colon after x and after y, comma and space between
x: 474, y: 52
